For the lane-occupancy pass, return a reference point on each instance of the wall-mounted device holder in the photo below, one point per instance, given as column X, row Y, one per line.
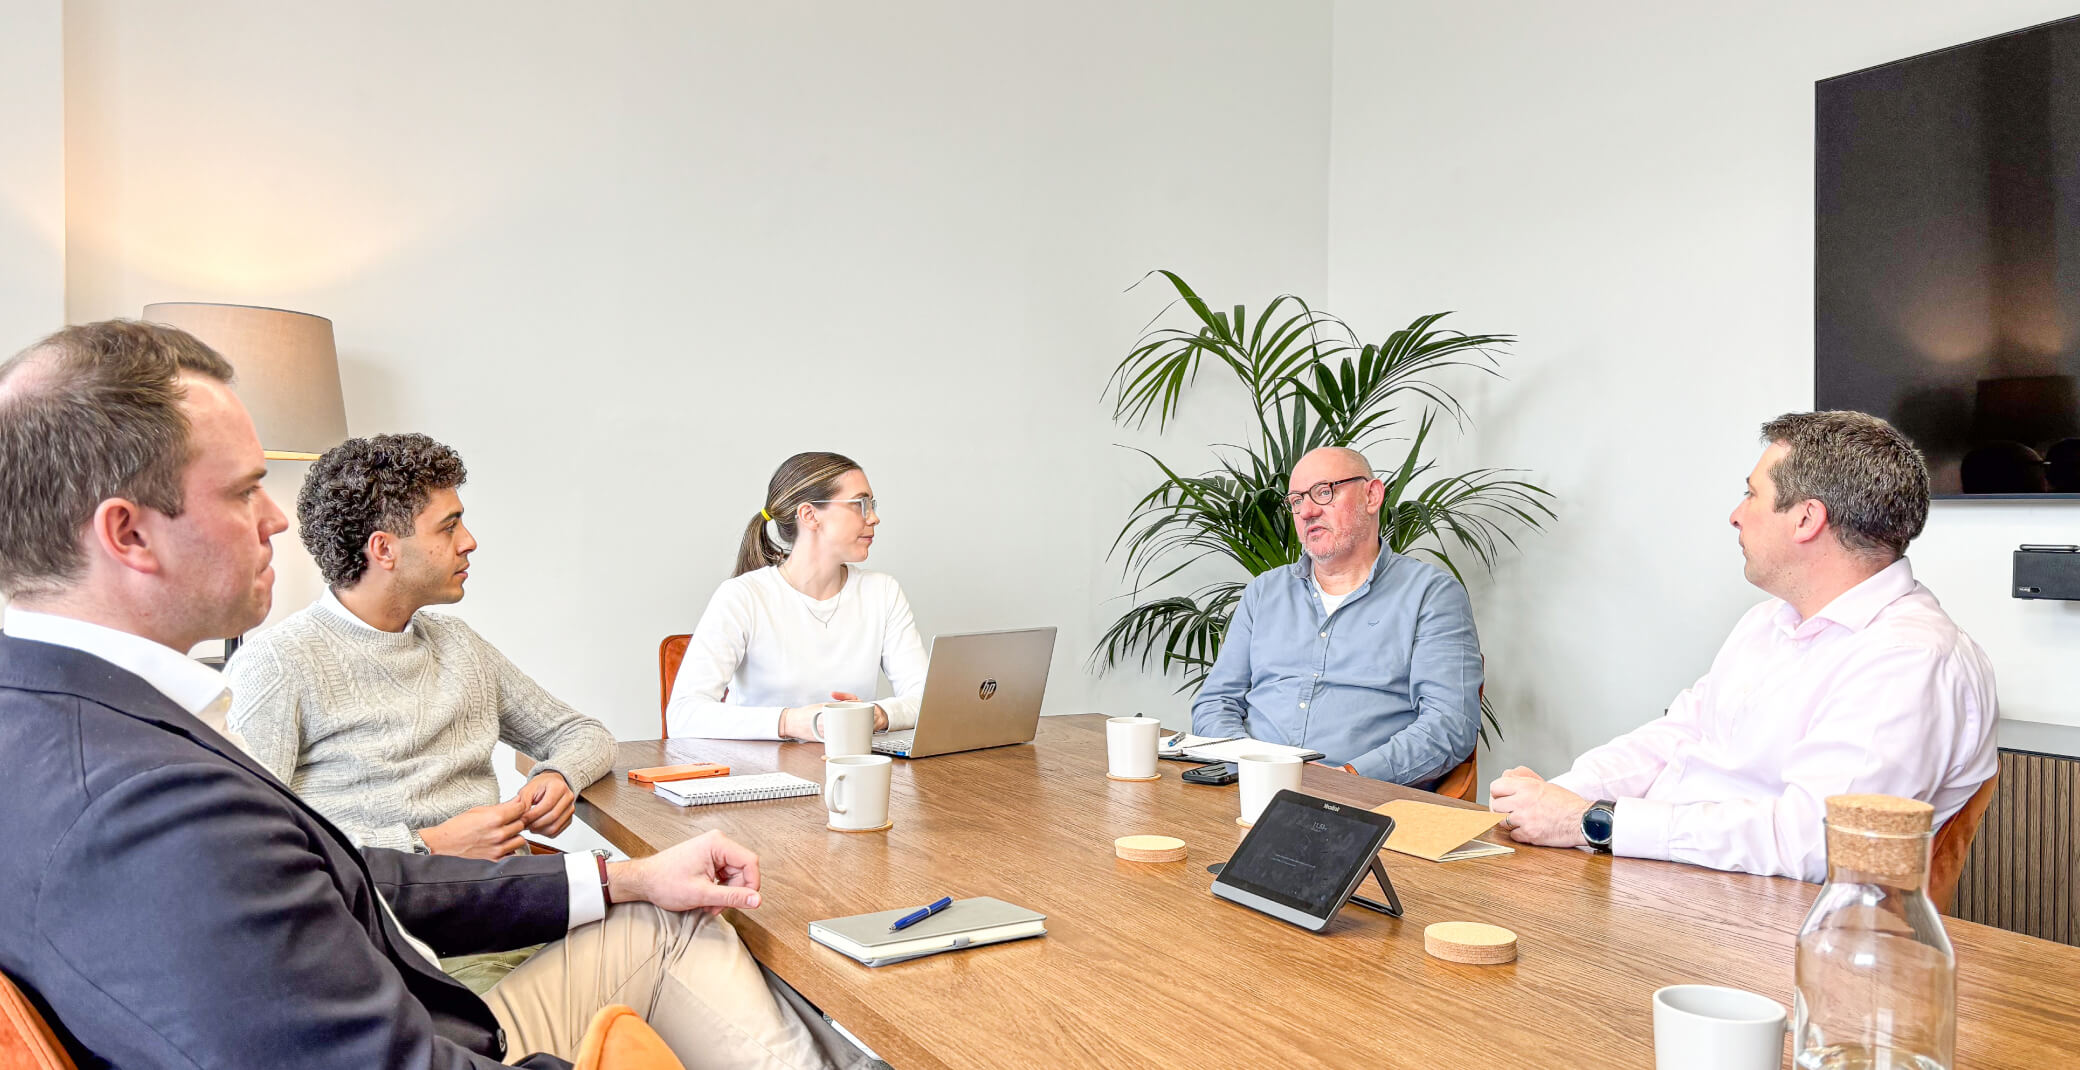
column 2047, row 572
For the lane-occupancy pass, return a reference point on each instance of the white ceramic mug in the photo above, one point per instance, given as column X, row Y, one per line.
column 1265, row 775
column 855, row 790
column 1706, row 1027
column 846, row 728
column 1130, row 746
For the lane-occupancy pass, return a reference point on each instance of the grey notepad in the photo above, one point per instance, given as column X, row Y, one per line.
column 967, row 923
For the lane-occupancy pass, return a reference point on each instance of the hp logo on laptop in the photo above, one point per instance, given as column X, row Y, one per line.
column 988, row 688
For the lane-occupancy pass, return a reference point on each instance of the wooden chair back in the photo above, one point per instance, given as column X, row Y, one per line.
column 669, row 654
column 26, row 1040
column 1953, row 843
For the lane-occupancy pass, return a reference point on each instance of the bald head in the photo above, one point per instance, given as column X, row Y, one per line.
column 1330, row 463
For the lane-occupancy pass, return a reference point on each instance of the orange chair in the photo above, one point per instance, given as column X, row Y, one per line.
column 669, row 654
column 26, row 1040
column 619, row 1039
column 1953, row 845
column 1463, row 781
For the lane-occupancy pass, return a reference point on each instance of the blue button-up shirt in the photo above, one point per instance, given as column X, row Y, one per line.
column 1389, row 684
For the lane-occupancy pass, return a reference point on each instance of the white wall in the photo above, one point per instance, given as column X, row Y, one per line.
column 32, row 173
column 626, row 257
column 1628, row 186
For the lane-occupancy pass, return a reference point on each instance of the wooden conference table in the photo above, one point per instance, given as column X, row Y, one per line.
column 1141, row 966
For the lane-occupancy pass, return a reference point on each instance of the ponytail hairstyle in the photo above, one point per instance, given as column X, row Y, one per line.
column 802, row 478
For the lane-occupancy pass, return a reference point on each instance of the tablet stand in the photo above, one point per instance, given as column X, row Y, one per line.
column 1392, row 907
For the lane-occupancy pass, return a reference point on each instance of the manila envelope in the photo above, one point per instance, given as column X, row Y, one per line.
column 1440, row 833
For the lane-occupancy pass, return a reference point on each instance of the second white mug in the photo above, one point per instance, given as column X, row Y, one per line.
column 847, row 728
column 855, row 791
column 1130, row 746
column 1265, row 775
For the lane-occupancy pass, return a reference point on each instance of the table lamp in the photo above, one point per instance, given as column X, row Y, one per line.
column 288, row 374
column 288, row 371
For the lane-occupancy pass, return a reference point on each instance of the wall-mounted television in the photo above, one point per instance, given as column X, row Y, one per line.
column 1946, row 257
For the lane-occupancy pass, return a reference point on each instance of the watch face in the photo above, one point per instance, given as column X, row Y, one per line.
column 1596, row 826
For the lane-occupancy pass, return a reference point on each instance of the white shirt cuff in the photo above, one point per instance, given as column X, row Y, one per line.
column 1641, row 828
column 588, row 900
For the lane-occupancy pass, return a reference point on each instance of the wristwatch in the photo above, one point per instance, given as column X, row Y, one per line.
column 1598, row 822
column 599, row 854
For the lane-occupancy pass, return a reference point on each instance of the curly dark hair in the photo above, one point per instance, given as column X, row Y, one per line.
column 366, row 485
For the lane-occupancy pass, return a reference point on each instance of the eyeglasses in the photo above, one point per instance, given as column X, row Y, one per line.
column 1323, row 493
column 864, row 504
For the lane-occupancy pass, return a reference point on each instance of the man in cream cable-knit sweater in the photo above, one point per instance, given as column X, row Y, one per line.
column 381, row 716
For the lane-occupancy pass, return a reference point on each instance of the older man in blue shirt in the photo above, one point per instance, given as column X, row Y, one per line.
column 1354, row 651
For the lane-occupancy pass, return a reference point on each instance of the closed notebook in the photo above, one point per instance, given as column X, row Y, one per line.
column 1440, row 833
column 967, row 923
column 728, row 789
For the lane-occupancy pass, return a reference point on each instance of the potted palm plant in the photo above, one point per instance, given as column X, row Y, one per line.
column 1311, row 383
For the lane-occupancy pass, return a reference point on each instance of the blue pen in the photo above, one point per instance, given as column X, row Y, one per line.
column 914, row 917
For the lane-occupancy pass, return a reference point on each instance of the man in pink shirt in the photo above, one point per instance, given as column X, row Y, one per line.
column 1851, row 678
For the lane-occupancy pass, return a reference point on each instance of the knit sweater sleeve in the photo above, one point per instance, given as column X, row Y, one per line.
column 542, row 726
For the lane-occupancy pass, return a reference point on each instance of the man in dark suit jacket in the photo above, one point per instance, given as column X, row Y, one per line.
column 168, row 902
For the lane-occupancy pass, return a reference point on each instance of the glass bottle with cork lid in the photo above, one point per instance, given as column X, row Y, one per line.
column 1877, row 980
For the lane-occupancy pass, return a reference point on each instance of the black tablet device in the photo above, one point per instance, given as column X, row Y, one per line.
column 1303, row 859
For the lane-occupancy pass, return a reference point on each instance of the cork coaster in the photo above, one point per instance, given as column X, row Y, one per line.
column 1134, row 779
column 1245, row 823
column 1470, row 942
column 1887, row 815
column 1149, row 848
column 884, row 828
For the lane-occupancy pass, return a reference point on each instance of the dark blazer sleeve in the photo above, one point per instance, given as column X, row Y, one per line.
column 237, row 946
column 466, row 906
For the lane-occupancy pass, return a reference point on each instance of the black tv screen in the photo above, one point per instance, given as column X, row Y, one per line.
column 1946, row 257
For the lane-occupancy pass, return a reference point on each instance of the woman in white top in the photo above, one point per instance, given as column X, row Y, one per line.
column 801, row 625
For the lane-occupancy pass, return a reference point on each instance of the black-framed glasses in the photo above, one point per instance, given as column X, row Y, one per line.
column 864, row 503
column 1323, row 493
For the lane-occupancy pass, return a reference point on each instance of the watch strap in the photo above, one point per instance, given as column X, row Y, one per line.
column 606, row 893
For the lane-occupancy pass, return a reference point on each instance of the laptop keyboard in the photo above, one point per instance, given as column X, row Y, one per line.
column 897, row 743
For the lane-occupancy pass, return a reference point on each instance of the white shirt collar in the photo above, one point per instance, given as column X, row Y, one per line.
column 339, row 609
column 193, row 686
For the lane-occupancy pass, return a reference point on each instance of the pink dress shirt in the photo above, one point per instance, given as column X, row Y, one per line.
column 1879, row 692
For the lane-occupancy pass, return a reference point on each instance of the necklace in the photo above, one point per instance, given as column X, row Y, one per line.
column 809, row 604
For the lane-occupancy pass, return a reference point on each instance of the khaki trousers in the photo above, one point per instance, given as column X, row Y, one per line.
column 687, row 974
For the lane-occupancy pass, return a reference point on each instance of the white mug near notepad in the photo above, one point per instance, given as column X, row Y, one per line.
column 846, row 728
column 855, row 791
column 1130, row 746
column 1265, row 775
column 1706, row 1027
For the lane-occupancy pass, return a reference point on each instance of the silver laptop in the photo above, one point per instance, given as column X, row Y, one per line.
column 983, row 690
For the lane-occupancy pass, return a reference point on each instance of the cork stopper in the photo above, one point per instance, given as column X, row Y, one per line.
column 1883, row 835
column 1887, row 815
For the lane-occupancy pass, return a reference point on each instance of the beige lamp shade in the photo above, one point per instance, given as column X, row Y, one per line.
column 288, row 371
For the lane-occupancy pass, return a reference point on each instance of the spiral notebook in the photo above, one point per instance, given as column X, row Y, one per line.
column 751, row 787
